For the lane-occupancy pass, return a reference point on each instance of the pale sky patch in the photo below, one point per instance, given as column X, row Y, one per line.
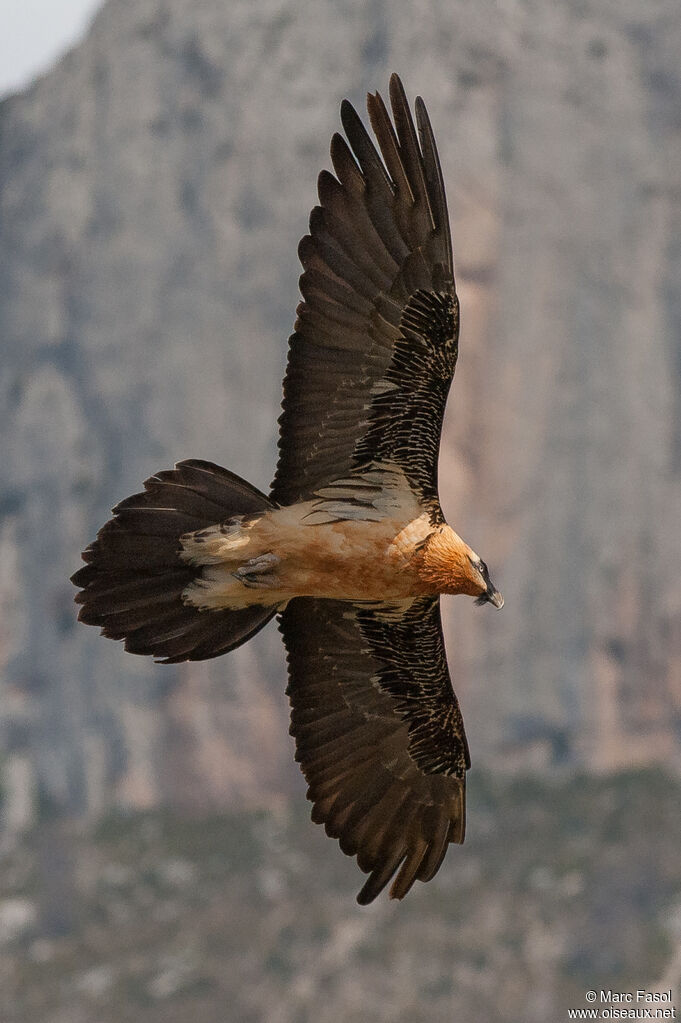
column 35, row 34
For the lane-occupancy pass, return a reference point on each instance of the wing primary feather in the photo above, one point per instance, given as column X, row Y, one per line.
column 374, row 194
column 354, row 218
column 338, row 261
column 403, row 201
column 409, row 149
column 364, row 149
column 436, row 824
column 442, row 240
column 380, row 876
column 409, row 870
column 329, row 225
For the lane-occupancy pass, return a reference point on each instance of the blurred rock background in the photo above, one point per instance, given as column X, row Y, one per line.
column 153, row 188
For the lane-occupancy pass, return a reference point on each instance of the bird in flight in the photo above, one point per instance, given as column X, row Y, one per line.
column 350, row 549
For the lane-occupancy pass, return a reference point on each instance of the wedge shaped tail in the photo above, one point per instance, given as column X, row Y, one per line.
column 133, row 580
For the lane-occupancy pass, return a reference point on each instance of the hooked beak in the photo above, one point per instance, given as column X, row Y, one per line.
column 491, row 596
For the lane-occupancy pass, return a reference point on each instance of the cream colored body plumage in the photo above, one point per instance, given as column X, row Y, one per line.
column 350, row 548
column 289, row 553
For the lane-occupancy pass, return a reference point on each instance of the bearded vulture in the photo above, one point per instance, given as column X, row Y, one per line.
column 350, row 549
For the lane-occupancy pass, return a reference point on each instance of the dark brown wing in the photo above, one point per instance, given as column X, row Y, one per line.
column 375, row 344
column 379, row 734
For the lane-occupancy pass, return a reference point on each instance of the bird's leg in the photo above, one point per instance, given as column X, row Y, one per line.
column 258, row 573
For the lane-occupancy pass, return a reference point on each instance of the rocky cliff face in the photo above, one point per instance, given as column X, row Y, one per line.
column 153, row 189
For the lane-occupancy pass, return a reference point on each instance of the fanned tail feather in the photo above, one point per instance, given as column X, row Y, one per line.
column 133, row 580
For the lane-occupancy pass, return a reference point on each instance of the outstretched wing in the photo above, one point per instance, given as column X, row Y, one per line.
column 379, row 734
column 375, row 344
